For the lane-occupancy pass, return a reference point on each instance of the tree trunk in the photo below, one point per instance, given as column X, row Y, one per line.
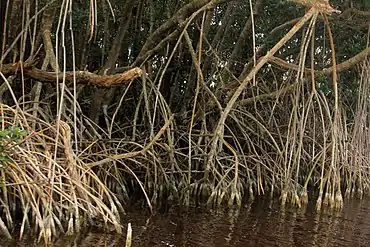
column 101, row 96
column 245, row 35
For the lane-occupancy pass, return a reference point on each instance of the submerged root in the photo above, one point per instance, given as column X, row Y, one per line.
column 360, row 193
column 338, row 200
column 235, row 197
column 251, row 193
column 216, row 198
column 332, row 201
column 70, row 230
column 347, row 193
column 4, row 229
column 326, row 199
column 284, row 196
column 318, row 204
column 220, row 198
column 173, row 193
column 205, row 190
column 304, row 198
column 295, row 200
column 212, row 200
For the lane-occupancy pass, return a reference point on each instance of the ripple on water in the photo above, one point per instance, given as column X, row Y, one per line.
column 262, row 224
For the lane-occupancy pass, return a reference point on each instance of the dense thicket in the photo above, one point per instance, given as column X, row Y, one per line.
column 186, row 101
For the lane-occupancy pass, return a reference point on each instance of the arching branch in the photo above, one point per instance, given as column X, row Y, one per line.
column 82, row 77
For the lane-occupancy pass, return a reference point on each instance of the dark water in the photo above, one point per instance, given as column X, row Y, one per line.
column 261, row 224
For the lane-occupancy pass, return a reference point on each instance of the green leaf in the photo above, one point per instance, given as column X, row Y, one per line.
column 4, row 133
column 3, row 158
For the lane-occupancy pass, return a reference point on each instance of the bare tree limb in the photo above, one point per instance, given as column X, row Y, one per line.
column 82, row 77
column 340, row 67
column 177, row 22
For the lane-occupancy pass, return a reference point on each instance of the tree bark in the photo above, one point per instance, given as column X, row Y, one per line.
column 82, row 77
column 14, row 24
column 245, row 35
column 173, row 25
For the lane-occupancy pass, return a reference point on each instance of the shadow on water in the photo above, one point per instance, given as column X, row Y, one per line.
column 261, row 224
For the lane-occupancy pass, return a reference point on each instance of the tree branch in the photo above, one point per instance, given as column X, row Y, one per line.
column 177, row 22
column 340, row 67
column 82, row 77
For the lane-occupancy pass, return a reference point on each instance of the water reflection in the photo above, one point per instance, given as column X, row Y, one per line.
column 260, row 224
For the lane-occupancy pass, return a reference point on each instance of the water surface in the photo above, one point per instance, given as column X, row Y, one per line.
column 261, row 224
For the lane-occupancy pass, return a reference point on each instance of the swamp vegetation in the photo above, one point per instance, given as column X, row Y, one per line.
column 187, row 102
